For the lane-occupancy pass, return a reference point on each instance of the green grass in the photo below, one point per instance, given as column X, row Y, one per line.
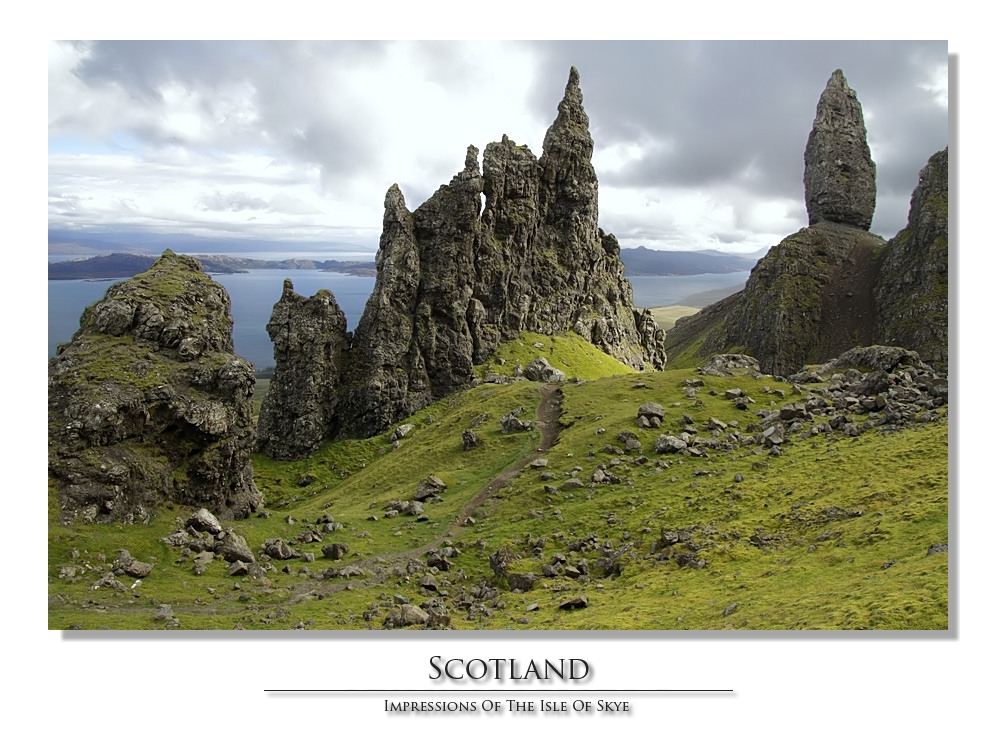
column 666, row 316
column 569, row 352
column 833, row 534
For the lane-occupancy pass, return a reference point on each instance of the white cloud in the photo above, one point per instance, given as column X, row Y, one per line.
column 197, row 136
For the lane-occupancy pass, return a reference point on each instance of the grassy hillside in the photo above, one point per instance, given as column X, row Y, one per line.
column 833, row 533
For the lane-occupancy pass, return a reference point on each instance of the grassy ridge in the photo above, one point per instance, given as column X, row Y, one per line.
column 832, row 534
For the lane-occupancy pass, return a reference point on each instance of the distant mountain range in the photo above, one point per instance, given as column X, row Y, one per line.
column 642, row 261
column 126, row 265
column 126, row 261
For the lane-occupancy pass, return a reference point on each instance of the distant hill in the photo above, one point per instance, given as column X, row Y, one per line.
column 640, row 261
column 70, row 242
column 118, row 265
column 126, row 265
column 643, row 261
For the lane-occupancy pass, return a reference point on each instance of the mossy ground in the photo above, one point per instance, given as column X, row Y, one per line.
column 569, row 352
column 833, row 534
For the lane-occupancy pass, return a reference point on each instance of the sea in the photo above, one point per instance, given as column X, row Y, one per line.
column 254, row 293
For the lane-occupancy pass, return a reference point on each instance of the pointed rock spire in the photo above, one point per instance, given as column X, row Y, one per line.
column 571, row 129
column 839, row 171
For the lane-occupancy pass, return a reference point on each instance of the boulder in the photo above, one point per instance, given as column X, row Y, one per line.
column 539, row 370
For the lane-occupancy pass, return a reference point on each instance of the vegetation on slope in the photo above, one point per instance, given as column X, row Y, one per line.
column 833, row 533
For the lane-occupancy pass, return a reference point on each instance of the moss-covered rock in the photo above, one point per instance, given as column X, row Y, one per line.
column 912, row 290
column 148, row 402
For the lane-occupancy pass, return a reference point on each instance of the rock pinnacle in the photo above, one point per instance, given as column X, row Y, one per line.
column 839, row 171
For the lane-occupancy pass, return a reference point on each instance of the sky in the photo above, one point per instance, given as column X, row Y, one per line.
column 697, row 144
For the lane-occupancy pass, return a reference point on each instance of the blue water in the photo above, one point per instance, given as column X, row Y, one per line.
column 648, row 291
column 253, row 295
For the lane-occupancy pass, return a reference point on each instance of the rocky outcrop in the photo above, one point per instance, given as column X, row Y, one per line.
column 310, row 344
column 840, row 173
column 457, row 277
column 808, row 300
column 911, row 295
column 833, row 286
column 148, row 402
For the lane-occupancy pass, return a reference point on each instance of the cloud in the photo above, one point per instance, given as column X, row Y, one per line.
column 692, row 138
column 236, row 201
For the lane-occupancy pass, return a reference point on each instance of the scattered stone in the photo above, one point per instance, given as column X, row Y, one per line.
column 470, row 440
column 234, row 547
column 277, row 548
column 521, row 582
column 669, row 444
column 511, row 423
column 539, row 370
column 405, row 616
column 125, row 564
column 430, row 488
column 575, row 603
column 336, row 552
column 501, row 559
column 401, row 431
column 204, row 520
column 726, row 365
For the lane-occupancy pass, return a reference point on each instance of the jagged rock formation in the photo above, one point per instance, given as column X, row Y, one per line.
column 840, row 173
column 453, row 282
column 911, row 295
column 310, row 336
column 149, row 403
column 833, row 286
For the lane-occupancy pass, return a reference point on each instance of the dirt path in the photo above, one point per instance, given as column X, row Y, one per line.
column 549, row 411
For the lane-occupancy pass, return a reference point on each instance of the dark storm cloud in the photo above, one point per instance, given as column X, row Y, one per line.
column 722, row 106
column 282, row 81
column 692, row 138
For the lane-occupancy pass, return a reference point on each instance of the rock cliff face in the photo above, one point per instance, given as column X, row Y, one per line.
column 148, row 402
column 833, row 286
column 840, row 173
column 911, row 295
column 808, row 300
column 456, row 278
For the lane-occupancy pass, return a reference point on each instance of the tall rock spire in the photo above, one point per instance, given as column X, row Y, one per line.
column 569, row 182
column 453, row 282
column 840, row 173
column 301, row 406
